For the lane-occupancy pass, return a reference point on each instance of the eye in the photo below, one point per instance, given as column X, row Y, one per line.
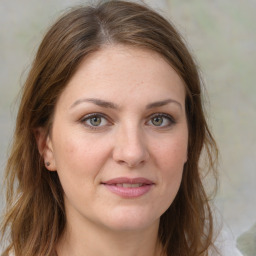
column 95, row 120
column 157, row 121
column 161, row 120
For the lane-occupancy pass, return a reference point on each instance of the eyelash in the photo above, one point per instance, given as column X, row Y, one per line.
column 93, row 115
column 171, row 121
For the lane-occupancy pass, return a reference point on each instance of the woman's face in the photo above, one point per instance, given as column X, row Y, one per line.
column 119, row 139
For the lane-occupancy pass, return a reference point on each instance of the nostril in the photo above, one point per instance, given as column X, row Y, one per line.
column 131, row 163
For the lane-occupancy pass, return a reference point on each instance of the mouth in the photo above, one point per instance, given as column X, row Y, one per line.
column 129, row 187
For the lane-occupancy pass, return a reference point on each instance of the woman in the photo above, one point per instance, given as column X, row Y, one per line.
column 108, row 139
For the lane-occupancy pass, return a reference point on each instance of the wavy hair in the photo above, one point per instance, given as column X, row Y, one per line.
column 35, row 217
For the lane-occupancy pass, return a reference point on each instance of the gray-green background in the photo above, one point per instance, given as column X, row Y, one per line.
column 222, row 36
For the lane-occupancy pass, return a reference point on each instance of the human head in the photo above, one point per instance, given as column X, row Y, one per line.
column 77, row 34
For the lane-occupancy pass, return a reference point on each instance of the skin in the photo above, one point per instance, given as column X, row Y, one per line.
column 131, row 140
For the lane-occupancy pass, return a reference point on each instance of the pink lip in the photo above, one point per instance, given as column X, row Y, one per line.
column 129, row 192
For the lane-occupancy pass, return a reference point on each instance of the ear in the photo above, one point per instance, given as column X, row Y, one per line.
column 45, row 148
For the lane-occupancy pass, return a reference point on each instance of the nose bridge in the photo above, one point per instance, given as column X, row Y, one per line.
column 130, row 145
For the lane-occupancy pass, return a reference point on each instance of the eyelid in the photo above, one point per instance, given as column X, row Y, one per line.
column 168, row 116
column 95, row 114
column 161, row 114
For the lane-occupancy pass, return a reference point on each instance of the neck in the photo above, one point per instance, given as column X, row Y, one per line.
column 92, row 240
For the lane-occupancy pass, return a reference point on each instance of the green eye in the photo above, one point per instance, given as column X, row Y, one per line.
column 95, row 121
column 161, row 120
column 157, row 121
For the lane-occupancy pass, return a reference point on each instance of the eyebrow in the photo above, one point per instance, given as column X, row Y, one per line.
column 108, row 104
column 98, row 102
column 162, row 103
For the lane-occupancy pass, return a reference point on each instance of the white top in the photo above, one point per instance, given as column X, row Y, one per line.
column 226, row 244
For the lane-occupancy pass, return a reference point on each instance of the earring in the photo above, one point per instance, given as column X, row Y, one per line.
column 47, row 163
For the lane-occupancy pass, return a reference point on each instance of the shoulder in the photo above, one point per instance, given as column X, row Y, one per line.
column 226, row 244
column 247, row 241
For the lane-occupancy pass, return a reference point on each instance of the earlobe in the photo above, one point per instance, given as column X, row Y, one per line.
column 45, row 148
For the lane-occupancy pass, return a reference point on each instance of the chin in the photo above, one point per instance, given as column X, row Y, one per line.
column 131, row 221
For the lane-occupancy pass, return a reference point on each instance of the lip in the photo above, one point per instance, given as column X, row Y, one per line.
column 144, row 187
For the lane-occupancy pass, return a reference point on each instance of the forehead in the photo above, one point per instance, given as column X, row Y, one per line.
column 119, row 72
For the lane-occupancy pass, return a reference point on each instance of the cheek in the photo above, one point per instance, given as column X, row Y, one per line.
column 172, row 154
column 171, row 158
column 78, row 155
column 79, row 161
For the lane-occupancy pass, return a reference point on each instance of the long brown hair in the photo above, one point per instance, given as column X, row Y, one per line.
column 35, row 215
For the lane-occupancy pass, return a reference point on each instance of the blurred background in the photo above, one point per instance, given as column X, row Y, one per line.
column 221, row 34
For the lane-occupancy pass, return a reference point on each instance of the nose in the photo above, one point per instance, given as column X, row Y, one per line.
column 130, row 147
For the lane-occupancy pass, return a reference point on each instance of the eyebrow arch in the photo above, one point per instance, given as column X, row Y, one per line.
column 108, row 104
column 162, row 103
column 99, row 102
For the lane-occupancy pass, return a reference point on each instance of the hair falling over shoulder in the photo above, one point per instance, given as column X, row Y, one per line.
column 34, row 217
